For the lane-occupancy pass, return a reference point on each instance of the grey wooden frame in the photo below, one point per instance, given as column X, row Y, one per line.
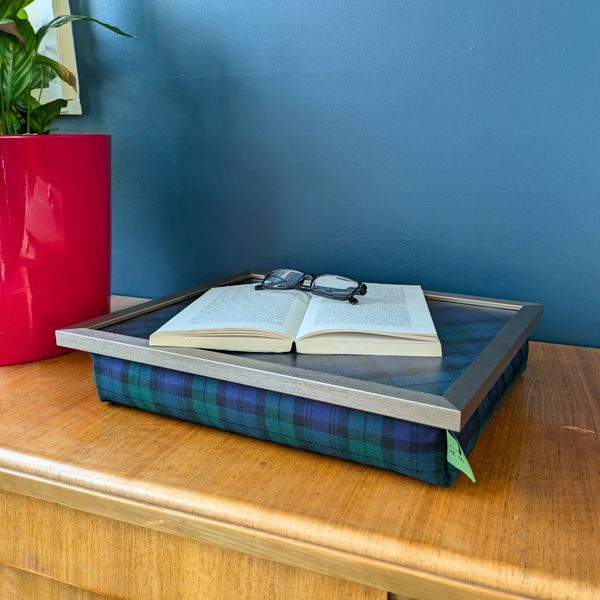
column 450, row 411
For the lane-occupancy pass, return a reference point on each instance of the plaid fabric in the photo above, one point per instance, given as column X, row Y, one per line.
column 464, row 332
column 393, row 444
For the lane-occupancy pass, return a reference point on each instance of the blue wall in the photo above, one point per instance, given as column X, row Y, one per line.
column 451, row 144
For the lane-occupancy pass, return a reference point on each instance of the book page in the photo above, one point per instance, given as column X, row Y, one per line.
column 242, row 307
column 392, row 309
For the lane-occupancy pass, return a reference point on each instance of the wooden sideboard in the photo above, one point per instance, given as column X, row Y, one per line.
column 100, row 501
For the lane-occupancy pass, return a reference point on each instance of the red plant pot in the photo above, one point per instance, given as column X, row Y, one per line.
column 54, row 239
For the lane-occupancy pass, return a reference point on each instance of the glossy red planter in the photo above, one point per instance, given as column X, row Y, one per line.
column 54, row 239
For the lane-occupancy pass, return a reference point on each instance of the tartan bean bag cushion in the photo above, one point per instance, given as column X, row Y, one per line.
column 404, row 447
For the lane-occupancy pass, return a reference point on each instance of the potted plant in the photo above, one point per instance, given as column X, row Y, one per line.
column 54, row 200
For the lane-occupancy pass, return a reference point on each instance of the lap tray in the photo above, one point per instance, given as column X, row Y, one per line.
column 387, row 412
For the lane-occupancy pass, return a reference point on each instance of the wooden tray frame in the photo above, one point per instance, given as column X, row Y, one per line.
column 450, row 411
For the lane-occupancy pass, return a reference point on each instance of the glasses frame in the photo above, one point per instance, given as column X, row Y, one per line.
column 360, row 290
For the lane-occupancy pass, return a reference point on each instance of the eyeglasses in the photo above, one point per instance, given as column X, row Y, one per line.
column 335, row 287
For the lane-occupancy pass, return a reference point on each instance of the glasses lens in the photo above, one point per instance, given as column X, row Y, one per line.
column 334, row 286
column 282, row 279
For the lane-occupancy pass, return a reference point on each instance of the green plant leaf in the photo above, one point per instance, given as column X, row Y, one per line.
column 42, row 76
column 24, row 107
column 14, row 122
column 27, row 102
column 17, row 68
column 14, row 8
column 43, row 115
column 10, row 27
column 19, row 5
column 4, row 7
column 58, row 69
column 64, row 19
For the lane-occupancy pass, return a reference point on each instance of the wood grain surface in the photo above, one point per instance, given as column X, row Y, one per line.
column 16, row 584
column 128, row 562
column 527, row 527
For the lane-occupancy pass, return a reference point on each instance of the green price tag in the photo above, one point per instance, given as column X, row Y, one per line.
column 456, row 457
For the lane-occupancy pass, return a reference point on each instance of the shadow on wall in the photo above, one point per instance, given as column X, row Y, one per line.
column 217, row 171
column 246, row 181
column 198, row 190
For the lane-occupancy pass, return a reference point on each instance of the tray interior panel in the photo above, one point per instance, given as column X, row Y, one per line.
column 464, row 331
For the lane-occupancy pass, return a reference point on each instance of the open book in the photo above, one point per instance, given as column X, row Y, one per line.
column 390, row 320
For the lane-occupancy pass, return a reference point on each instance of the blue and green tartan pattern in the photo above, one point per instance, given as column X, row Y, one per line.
column 464, row 332
column 404, row 447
